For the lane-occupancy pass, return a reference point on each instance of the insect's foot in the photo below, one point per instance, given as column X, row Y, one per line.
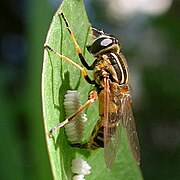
column 50, row 134
column 47, row 47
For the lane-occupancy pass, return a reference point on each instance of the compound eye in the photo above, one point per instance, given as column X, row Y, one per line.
column 100, row 44
column 106, row 42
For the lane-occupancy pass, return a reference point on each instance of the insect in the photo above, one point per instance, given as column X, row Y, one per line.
column 111, row 82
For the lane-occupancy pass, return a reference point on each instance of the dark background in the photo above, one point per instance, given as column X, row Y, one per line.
column 151, row 42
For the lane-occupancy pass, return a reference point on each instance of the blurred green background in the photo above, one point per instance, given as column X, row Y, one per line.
column 149, row 32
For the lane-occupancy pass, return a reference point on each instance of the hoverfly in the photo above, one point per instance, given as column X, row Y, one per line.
column 111, row 82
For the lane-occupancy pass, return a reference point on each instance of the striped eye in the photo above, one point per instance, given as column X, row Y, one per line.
column 106, row 42
column 101, row 43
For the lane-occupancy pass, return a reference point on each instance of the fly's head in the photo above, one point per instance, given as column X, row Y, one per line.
column 103, row 43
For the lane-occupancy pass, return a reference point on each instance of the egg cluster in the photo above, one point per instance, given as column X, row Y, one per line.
column 75, row 131
column 81, row 168
column 75, row 128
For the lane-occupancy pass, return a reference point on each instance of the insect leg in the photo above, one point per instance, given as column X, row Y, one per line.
column 78, row 49
column 91, row 99
column 83, row 71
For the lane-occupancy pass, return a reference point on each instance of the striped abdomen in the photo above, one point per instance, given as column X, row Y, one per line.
column 97, row 138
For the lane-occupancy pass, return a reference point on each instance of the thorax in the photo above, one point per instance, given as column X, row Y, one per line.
column 114, row 64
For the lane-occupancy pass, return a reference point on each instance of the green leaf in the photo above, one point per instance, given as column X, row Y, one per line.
column 59, row 76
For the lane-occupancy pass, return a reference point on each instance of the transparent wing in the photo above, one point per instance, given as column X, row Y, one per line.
column 130, row 126
column 112, row 125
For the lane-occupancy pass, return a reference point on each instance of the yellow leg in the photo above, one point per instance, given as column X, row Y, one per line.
column 83, row 71
column 78, row 49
